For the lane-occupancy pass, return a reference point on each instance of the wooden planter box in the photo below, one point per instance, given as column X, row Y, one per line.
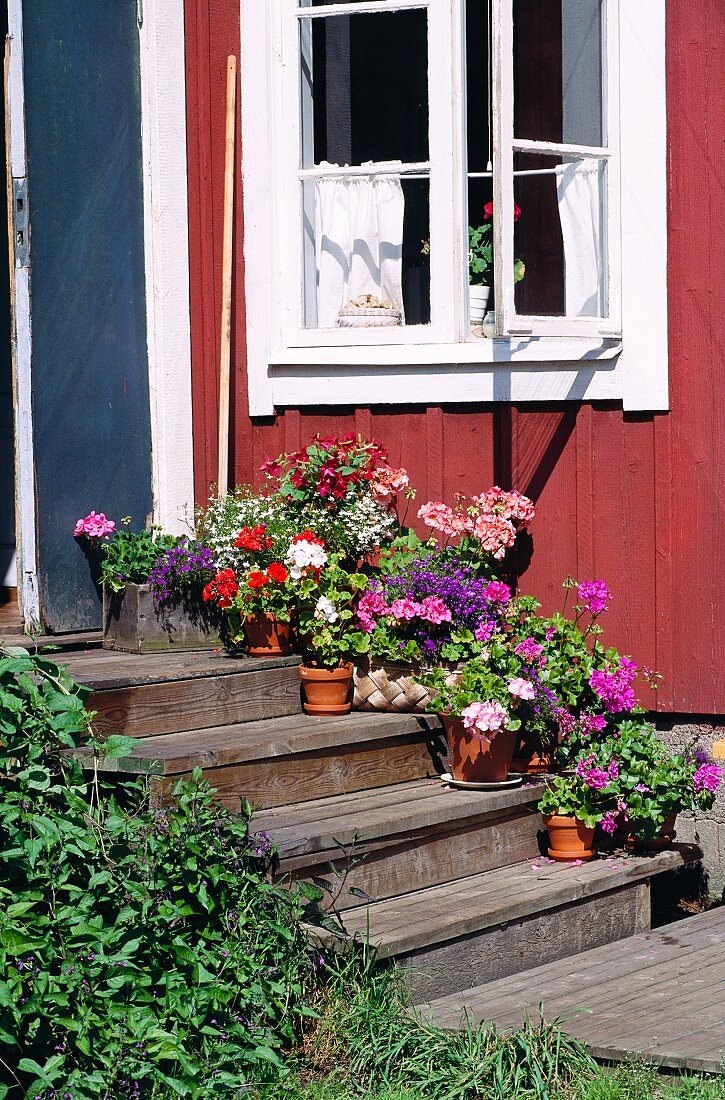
column 131, row 623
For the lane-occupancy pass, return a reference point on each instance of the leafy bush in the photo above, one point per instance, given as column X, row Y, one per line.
column 129, row 556
column 143, row 950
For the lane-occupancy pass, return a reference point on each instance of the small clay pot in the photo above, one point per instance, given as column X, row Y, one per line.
column 267, row 636
column 471, row 761
column 326, row 690
column 569, row 839
column 665, row 839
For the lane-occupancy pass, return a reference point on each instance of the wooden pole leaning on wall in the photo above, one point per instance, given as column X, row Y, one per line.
column 226, row 323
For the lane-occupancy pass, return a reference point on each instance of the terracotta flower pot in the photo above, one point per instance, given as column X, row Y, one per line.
column 659, row 843
column 267, row 636
column 569, row 839
column 471, row 761
column 533, row 765
column 327, row 690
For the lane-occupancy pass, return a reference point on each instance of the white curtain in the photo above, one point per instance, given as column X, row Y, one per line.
column 580, row 213
column 358, row 242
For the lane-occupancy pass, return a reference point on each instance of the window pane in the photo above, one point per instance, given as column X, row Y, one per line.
column 365, row 88
column 478, row 83
column 558, row 56
column 365, row 235
column 560, row 236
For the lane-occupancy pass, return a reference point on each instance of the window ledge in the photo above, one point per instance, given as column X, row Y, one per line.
column 543, row 350
column 517, row 369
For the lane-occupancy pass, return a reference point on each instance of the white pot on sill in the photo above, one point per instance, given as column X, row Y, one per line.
column 478, row 303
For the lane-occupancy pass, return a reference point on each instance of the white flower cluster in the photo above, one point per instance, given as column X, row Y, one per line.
column 303, row 556
column 221, row 521
column 325, row 609
column 355, row 527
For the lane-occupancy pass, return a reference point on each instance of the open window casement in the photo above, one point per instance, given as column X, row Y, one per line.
column 556, row 152
column 376, row 132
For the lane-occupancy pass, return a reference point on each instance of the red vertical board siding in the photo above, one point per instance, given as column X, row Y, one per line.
column 636, row 500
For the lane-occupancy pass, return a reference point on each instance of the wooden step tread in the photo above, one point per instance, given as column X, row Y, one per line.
column 659, row 995
column 60, row 643
column 469, row 904
column 106, row 669
column 217, row 746
column 406, row 808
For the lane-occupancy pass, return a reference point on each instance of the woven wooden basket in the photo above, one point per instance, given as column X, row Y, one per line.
column 388, row 687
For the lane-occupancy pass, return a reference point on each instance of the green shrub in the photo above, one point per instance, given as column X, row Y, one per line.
column 143, row 950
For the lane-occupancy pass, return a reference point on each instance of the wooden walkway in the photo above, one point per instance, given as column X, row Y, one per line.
column 659, row 996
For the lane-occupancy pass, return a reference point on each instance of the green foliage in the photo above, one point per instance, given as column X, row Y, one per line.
column 326, row 615
column 570, row 796
column 480, row 679
column 143, row 951
column 369, row 1038
column 129, row 556
column 480, row 256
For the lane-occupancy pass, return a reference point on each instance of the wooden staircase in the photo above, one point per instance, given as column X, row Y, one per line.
column 458, row 888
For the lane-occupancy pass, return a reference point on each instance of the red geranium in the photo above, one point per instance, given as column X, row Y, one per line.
column 222, row 589
column 253, row 538
column 277, row 572
column 257, row 579
column 308, row 536
column 488, row 212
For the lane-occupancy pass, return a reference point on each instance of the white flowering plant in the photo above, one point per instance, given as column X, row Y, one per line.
column 327, row 621
column 245, row 530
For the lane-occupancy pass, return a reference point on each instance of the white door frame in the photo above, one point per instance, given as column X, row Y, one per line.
column 21, row 332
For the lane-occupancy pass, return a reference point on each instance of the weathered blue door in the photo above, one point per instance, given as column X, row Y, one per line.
column 89, row 376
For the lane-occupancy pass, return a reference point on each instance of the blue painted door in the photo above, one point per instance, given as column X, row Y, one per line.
column 91, row 418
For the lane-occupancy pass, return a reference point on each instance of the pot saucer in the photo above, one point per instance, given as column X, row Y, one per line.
column 512, row 781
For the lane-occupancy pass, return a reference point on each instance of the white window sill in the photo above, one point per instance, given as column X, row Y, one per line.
column 520, row 369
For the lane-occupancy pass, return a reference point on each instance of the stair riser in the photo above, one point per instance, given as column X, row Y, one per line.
column 506, row 949
column 144, row 710
column 399, row 865
column 280, row 780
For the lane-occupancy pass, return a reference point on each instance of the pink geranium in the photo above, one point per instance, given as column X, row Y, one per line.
column 404, row 609
column 94, row 526
column 434, row 610
column 484, row 720
column 369, row 609
column 521, row 689
column 386, row 483
column 498, row 592
column 440, row 517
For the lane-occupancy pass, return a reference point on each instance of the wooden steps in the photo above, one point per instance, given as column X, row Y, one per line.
column 658, row 995
column 502, row 921
column 393, row 840
column 270, row 762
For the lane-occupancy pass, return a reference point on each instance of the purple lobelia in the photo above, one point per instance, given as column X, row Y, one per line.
column 181, row 569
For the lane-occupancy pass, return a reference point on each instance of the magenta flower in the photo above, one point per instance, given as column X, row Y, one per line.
column 484, row 631
column 594, row 596
column 405, row 608
column 609, row 823
column 433, row 610
column 94, row 526
column 614, row 685
column 707, row 778
column 529, row 650
column 498, row 592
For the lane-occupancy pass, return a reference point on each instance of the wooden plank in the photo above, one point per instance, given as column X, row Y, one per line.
column 394, row 866
column 104, row 669
column 260, row 740
column 272, row 782
column 419, row 807
column 516, row 945
column 155, row 708
column 479, row 901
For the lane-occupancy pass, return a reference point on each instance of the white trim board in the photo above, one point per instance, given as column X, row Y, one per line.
column 282, row 375
column 166, row 244
column 22, row 342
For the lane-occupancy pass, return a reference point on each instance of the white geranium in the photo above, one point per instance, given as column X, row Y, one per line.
column 303, row 556
column 325, row 609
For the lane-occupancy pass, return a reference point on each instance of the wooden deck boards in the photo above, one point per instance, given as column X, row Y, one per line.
column 658, row 995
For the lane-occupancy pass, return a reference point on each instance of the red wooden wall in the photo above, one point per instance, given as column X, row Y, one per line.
column 634, row 499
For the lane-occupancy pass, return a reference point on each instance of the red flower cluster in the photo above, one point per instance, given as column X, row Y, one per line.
column 253, row 538
column 274, row 572
column 488, row 212
column 327, row 467
column 222, row 589
column 308, row 536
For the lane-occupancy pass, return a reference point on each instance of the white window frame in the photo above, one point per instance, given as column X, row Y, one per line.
column 534, row 359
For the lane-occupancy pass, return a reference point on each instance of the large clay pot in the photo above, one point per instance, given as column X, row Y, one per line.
column 471, row 761
column 533, row 765
column 569, row 839
column 327, row 690
column 267, row 636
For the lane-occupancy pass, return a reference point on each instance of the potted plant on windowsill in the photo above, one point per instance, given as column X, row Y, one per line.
column 480, row 264
column 330, row 638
